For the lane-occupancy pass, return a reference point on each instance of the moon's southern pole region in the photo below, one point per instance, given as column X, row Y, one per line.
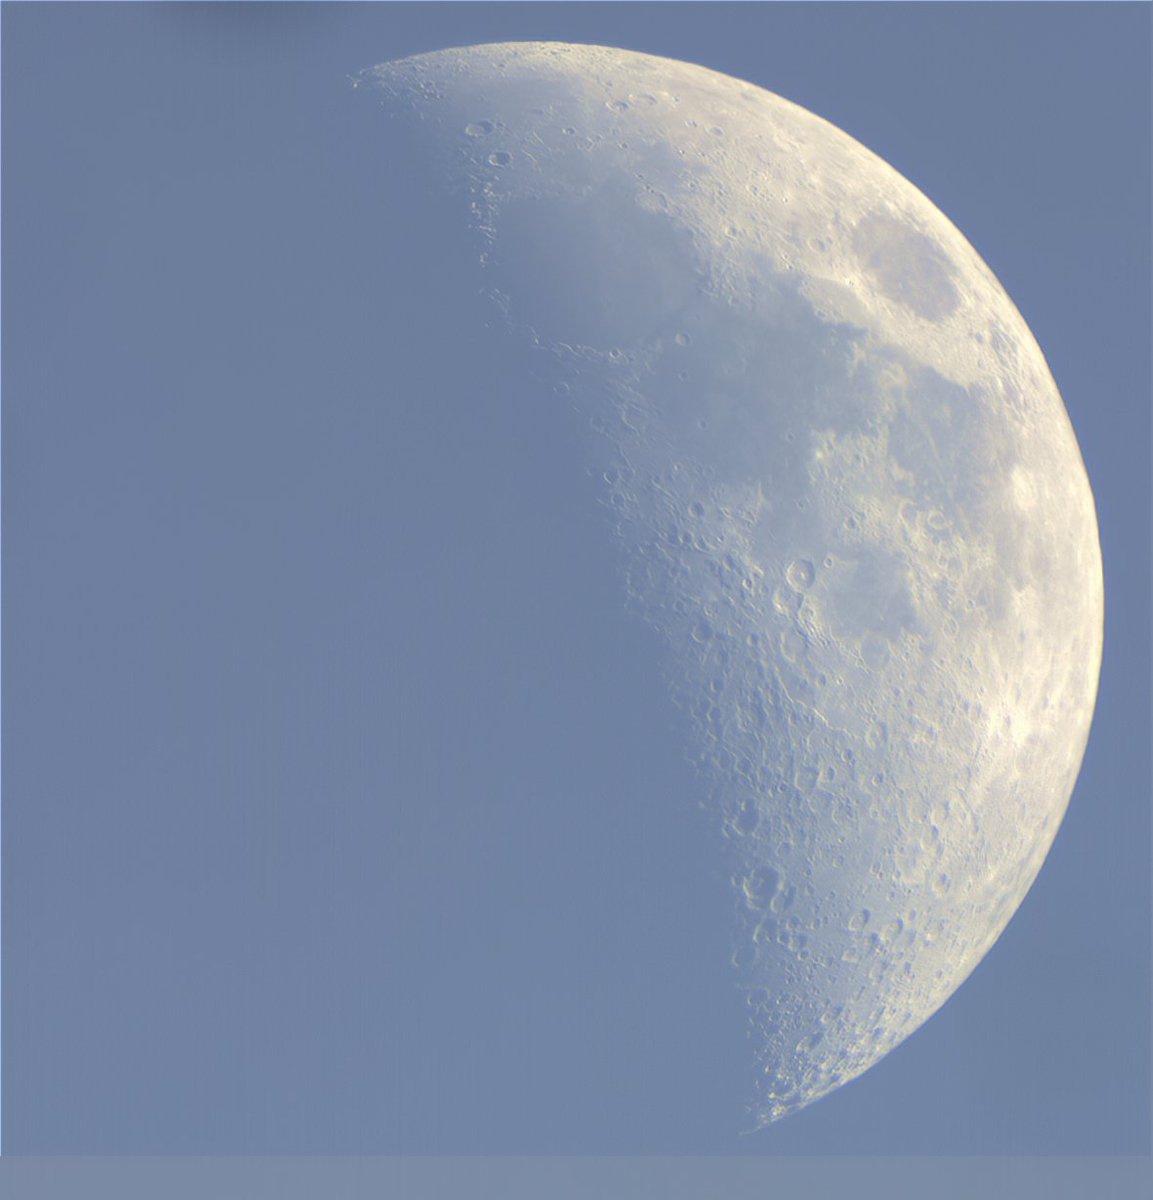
column 846, row 495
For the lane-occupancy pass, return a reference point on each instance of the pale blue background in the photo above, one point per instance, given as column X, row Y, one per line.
column 325, row 835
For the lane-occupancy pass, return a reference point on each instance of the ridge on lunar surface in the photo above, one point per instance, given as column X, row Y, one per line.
column 846, row 495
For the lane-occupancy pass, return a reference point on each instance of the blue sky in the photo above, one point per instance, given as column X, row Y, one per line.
column 278, row 872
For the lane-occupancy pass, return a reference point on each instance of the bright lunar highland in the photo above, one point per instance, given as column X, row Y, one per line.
column 845, row 494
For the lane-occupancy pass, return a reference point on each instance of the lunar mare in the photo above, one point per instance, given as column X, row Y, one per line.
column 846, row 495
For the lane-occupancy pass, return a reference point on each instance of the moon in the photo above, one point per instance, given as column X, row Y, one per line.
column 845, row 495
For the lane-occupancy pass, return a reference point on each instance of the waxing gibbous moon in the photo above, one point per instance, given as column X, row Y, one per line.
column 845, row 494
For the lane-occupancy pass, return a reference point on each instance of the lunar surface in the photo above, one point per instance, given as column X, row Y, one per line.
column 845, row 495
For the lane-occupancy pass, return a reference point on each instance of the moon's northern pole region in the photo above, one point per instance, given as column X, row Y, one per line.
column 846, row 495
